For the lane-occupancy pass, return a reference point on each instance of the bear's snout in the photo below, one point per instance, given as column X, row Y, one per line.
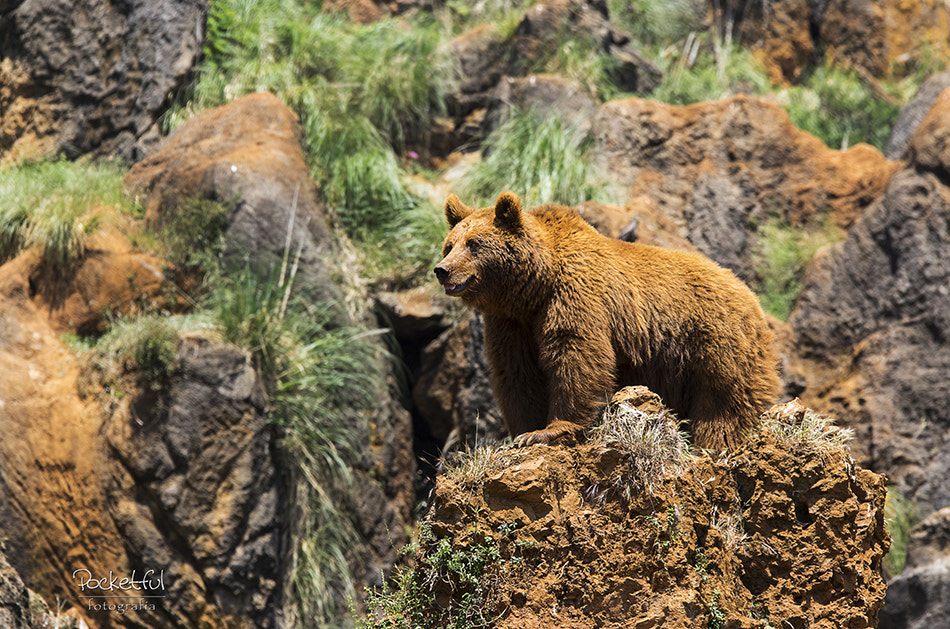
column 442, row 273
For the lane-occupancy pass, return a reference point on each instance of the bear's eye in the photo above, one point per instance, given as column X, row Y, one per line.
column 446, row 249
column 474, row 246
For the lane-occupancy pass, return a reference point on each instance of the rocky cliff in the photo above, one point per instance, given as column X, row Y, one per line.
column 168, row 459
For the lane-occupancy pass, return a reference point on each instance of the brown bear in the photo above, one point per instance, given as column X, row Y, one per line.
column 571, row 316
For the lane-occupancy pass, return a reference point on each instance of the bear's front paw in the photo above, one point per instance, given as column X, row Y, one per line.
column 557, row 431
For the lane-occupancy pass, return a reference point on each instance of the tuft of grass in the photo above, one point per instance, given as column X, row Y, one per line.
column 658, row 23
column 134, row 352
column 840, row 108
column 780, row 258
column 51, row 206
column 697, row 70
column 652, row 444
column 805, row 431
column 320, row 377
column 900, row 515
column 192, row 235
column 543, row 159
column 471, row 466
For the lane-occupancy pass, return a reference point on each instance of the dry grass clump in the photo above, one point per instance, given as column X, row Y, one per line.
column 799, row 429
column 651, row 441
column 471, row 466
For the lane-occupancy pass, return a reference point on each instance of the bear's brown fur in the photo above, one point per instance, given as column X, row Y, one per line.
column 571, row 316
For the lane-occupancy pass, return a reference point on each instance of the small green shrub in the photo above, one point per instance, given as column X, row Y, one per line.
column 192, row 235
column 780, row 258
column 462, row 573
column 540, row 158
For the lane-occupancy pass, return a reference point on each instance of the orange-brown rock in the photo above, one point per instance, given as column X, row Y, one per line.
column 175, row 477
column 111, row 280
column 714, row 168
column 880, row 38
column 780, row 533
column 247, row 154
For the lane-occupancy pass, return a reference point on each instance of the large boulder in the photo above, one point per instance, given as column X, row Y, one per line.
column 247, row 154
column 194, row 487
column 716, row 168
column 92, row 76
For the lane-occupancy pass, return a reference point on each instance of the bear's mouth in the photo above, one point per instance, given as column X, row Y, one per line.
column 453, row 289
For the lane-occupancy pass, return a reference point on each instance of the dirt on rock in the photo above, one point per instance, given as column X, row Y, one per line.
column 786, row 532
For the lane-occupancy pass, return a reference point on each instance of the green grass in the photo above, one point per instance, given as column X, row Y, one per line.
column 840, row 108
column 542, row 159
column 780, row 258
column 51, row 206
column 321, row 379
column 653, row 23
column 701, row 68
column 900, row 515
column 363, row 93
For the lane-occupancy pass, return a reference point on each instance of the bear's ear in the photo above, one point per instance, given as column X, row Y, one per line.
column 508, row 210
column 455, row 210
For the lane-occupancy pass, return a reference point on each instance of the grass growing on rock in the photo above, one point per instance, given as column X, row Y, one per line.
column 320, row 377
column 780, row 258
column 652, row 445
column 543, row 159
column 51, row 206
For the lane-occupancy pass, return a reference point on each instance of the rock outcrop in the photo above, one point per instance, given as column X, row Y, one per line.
column 872, row 325
column 784, row 532
column 246, row 154
column 877, row 37
column 715, row 168
column 177, row 481
column 92, row 76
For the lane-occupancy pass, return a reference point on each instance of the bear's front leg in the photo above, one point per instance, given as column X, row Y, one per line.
column 581, row 372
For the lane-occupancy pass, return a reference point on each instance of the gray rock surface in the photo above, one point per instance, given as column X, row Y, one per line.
column 247, row 154
column 195, row 489
column 874, row 315
column 93, row 76
column 919, row 597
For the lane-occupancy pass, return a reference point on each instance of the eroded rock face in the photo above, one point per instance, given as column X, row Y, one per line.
column 776, row 534
column 194, row 488
column 878, row 37
column 179, row 479
column 92, row 76
column 715, row 168
column 247, row 154
column 872, row 326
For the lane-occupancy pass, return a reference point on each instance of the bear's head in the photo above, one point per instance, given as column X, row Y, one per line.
column 487, row 253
